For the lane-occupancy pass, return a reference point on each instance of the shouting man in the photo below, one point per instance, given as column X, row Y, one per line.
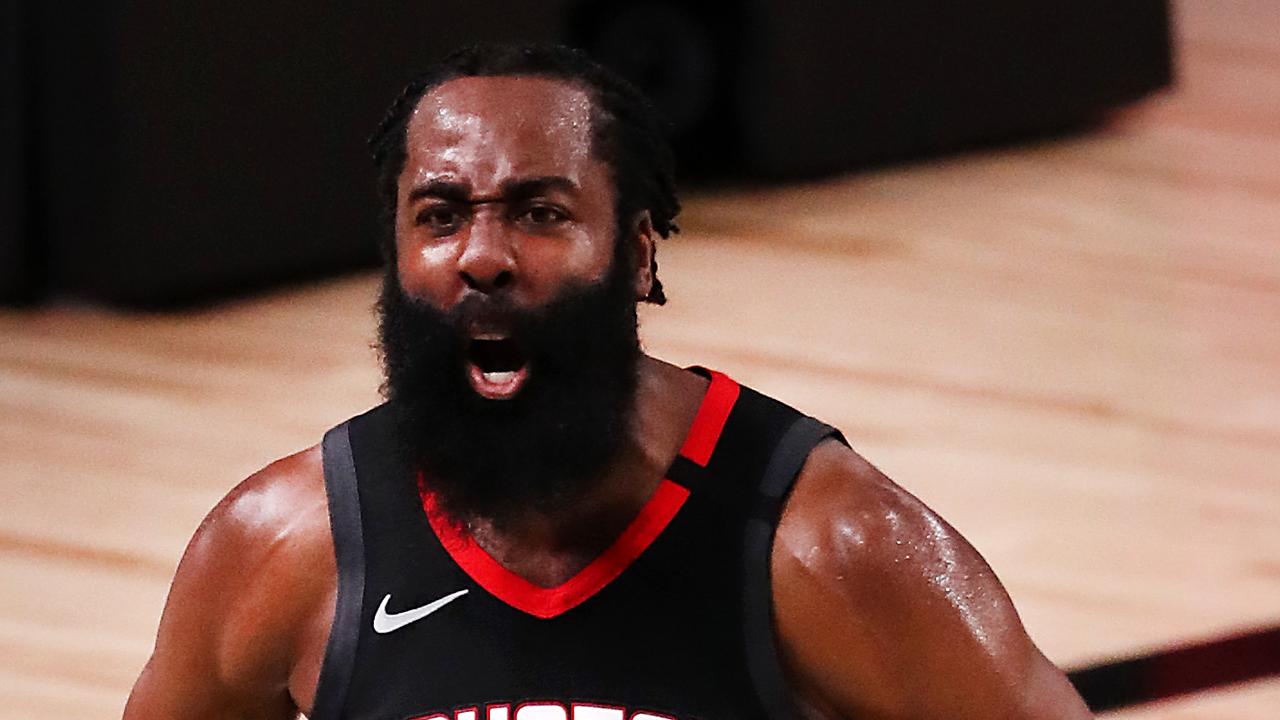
column 544, row 523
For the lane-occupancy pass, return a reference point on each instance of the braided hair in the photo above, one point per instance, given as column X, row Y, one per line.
column 626, row 132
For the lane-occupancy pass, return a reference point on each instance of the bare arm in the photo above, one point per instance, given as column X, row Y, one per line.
column 884, row 611
column 237, row 637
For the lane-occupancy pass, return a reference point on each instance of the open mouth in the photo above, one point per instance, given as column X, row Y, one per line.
column 496, row 366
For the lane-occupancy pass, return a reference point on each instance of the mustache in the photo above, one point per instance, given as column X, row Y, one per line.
column 479, row 311
column 487, row 310
column 481, row 314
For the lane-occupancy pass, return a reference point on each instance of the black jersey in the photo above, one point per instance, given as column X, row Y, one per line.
column 673, row 620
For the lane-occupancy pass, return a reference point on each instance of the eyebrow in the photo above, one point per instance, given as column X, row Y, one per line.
column 511, row 190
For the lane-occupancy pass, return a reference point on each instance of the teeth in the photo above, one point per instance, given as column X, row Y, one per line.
column 489, row 336
column 500, row 378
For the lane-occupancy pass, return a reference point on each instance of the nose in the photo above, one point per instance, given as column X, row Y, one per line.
column 487, row 262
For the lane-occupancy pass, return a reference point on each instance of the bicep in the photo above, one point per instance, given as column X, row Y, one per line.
column 884, row 610
column 167, row 689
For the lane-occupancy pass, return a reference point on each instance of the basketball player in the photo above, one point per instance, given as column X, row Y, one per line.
column 545, row 523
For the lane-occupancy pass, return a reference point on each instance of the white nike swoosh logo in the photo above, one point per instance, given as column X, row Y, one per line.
column 385, row 622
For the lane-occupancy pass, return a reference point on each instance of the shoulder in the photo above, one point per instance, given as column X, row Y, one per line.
column 268, row 521
column 852, row 542
column 883, row 608
column 873, row 547
column 269, row 545
column 844, row 514
column 276, row 504
column 257, row 572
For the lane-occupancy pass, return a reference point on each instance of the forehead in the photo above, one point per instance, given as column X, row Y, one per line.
column 481, row 129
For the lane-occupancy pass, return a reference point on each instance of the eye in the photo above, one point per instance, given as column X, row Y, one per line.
column 541, row 216
column 440, row 219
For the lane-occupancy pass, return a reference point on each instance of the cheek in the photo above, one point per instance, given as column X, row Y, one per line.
column 545, row 266
column 424, row 268
column 590, row 259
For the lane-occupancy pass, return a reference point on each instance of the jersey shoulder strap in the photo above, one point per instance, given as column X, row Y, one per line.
column 342, row 490
column 780, row 473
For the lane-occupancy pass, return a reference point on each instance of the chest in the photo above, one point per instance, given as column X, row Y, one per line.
column 652, row 627
column 430, row 626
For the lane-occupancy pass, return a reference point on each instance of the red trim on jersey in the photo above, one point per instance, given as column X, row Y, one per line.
column 648, row 524
column 549, row 602
column 721, row 395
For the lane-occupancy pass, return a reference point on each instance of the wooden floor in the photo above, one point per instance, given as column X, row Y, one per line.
column 1071, row 350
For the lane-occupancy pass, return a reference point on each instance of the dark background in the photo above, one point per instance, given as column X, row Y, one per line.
column 154, row 154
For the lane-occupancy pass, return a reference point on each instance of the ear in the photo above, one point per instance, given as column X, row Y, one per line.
column 640, row 240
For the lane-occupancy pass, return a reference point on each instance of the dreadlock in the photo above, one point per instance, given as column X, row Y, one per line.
column 626, row 132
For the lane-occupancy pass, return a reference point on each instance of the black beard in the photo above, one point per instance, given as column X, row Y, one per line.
column 502, row 459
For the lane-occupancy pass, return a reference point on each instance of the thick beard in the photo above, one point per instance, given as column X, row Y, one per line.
column 502, row 459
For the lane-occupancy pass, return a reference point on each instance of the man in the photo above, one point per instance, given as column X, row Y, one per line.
column 545, row 523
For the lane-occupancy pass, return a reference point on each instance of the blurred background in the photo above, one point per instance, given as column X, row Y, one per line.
column 1027, row 257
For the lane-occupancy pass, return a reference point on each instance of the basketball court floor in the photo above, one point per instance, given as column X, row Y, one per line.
column 1070, row 349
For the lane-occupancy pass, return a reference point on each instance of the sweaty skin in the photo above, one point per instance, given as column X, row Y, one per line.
column 885, row 611
column 882, row 609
